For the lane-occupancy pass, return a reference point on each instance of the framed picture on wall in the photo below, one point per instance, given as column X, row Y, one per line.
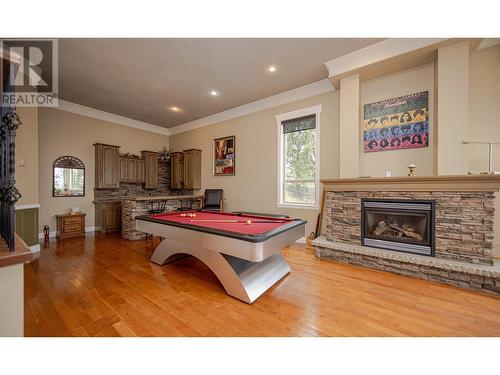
column 397, row 123
column 224, row 152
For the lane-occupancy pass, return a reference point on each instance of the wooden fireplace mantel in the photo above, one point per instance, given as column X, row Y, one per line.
column 486, row 183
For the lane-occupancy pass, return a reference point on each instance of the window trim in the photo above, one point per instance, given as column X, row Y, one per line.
column 314, row 110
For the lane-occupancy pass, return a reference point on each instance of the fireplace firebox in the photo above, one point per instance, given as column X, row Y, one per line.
column 401, row 225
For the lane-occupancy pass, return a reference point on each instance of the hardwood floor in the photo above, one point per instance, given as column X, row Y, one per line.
column 106, row 286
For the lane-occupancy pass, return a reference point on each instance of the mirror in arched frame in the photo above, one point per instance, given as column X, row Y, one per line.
column 68, row 177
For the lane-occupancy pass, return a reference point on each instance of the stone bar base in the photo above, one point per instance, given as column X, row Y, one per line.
column 464, row 275
column 131, row 208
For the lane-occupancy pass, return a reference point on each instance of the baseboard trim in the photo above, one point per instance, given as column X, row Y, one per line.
column 53, row 233
column 35, row 248
column 301, row 240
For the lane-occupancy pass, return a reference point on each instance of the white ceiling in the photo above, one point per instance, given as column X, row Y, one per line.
column 141, row 78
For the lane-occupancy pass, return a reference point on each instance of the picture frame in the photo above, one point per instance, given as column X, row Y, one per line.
column 397, row 123
column 224, row 151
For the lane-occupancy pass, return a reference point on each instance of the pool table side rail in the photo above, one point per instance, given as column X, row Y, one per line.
column 244, row 237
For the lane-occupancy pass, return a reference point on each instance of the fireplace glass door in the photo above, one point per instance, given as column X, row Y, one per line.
column 398, row 225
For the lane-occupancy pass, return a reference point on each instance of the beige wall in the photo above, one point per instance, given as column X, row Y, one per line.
column 349, row 127
column 453, row 117
column 254, row 187
column 27, row 151
column 408, row 82
column 63, row 133
column 484, row 107
column 485, row 117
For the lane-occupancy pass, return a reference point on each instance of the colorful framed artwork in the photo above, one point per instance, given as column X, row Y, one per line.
column 397, row 123
column 224, row 152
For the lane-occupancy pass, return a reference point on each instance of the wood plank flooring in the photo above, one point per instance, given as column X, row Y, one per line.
column 106, row 286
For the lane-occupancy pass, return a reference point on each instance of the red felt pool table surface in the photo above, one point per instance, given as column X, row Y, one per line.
column 255, row 228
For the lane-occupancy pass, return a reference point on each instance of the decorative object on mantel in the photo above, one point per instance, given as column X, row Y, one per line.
column 397, row 123
column 164, row 154
column 411, row 170
column 490, row 154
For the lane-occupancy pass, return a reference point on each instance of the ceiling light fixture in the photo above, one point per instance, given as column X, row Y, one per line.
column 271, row 69
column 214, row 93
column 175, row 109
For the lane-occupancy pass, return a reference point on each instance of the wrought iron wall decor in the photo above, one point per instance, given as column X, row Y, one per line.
column 9, row 195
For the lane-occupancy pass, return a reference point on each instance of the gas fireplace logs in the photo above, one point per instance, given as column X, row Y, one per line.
column 395, row 231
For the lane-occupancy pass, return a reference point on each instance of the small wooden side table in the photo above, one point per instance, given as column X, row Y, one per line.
column 70, row 225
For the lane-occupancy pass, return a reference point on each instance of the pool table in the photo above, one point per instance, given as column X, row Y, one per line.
column 243, row 250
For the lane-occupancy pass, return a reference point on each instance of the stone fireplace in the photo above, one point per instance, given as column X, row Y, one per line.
column 399, row 225
column 437, row 228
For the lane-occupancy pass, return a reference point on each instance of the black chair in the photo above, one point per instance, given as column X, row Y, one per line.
column 185, row 208
column 155, row 207
column 213, row 200
column 159, row 208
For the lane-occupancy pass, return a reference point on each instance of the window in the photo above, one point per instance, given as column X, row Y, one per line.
column 298, row 148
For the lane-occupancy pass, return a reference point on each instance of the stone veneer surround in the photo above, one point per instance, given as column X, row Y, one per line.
column 464, row 221
column 463, row 229
column 460, row 274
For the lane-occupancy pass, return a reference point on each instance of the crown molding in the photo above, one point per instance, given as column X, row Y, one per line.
column 377, row 52
column 488, row 42
column 312, row 89
column 110, row 117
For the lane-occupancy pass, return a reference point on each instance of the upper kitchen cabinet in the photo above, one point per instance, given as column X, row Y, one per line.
column 177, row 170
column 192, row 169
column 107, row 166
column 185, row 172
column 131, row 169
column 150, row 169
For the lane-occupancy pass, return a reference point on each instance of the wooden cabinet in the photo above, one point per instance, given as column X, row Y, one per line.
column 70, row 225
column 107, row 166
column 177, row 170
column 185, row 171
column 108, row 216
column 123, row 170
column 111, row 168
column 140, row 170
column 131, row 169
column 150, row 169
column 192, row 169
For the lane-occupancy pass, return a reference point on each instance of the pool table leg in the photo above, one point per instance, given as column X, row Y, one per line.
column 240, row 278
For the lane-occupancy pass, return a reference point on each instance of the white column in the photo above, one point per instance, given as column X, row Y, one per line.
column 349, row 127
column 453, row 111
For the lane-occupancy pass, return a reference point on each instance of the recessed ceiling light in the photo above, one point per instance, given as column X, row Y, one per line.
column 271, row 69
column 214, row 93
column 175, row 109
